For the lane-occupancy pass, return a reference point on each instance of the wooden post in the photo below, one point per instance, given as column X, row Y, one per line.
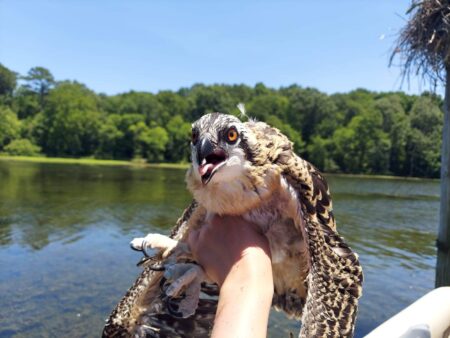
column 443, row 240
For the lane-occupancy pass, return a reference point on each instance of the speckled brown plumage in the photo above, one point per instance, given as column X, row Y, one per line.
column 317, row 277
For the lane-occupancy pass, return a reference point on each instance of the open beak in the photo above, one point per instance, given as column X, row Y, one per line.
column 210, row 159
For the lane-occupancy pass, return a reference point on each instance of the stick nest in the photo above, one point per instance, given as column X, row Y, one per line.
column 423, row 44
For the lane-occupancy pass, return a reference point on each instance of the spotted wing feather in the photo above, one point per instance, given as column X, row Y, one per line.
column 142, row 312
column 335, row 275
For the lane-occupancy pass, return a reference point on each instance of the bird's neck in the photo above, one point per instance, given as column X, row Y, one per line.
column 240, row 195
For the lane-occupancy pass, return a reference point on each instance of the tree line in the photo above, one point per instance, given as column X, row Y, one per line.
column 356, row 132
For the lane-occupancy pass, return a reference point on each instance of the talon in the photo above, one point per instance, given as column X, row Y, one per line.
column 143, row 260
column 154, row 267
column 172, row 308
column 163, row 285
column 180, row 287
column 157, row 267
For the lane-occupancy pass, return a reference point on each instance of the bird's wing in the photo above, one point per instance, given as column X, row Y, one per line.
column 142, row 312
column 335, row 275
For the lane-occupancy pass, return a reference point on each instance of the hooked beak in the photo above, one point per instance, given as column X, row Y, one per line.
column 210, row 159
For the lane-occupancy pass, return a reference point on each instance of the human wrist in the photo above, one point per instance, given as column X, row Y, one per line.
column 253, row 269
column 245, row 297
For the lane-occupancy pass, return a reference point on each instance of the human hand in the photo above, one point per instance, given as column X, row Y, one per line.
column 237, row 257
column 224, row 242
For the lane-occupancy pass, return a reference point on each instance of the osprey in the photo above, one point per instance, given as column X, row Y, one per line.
column 247, row 169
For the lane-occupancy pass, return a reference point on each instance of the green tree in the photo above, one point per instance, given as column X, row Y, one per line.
column 424, row 139
column 240, row 93
column 126, row 144
column 8, row 81
column 150, row 143
column 320, row 154
column 311, row 112
column 39, row 80
column 353, row 104
column 265, row 105
column 397, row 125
column 209, row 99
column 362, row 147
column 26, row 103
column 71, row 121
column 33, row 128
column 111, row 139
column 22, row 147
column 261, row 89
column 174, row 104
column 360, row 131
column 145, row 104
column 177, row 148
column 9, row 126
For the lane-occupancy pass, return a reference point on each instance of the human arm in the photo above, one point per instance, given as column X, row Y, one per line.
column 237, row 257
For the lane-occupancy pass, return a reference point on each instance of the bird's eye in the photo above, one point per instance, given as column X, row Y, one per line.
column 194, row 137
column 232, row 135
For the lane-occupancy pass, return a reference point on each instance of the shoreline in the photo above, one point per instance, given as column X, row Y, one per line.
column 92, row 161
column 165, row 165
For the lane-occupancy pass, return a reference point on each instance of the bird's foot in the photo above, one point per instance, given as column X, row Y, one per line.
column 152, row 244
column 182, row 283
column 183, row 286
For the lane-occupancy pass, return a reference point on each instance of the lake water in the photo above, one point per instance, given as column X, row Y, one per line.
column 64, row 233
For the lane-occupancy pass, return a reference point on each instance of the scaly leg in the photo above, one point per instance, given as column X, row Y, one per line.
column 182, row 278
column 158, row 242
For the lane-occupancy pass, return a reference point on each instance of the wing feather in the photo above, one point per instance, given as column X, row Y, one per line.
column 335, row 276
column 142, row 312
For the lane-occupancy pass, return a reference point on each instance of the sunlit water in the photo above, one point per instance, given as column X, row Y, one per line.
column 65, row 259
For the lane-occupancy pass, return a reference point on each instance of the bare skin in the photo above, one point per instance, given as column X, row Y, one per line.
column 237, row 257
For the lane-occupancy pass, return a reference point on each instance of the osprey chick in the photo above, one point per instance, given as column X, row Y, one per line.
column 247, row 169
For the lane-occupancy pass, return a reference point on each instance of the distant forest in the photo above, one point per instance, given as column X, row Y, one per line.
column 359, row 132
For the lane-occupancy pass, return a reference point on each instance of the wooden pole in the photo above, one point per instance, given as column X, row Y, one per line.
column 443, row 241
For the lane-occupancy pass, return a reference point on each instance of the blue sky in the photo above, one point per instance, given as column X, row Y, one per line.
column 116, row 46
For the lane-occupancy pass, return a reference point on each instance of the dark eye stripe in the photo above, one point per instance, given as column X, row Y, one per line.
column 194, row 136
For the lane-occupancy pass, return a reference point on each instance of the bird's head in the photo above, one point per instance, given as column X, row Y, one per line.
column 232, row 163
column 219, row 149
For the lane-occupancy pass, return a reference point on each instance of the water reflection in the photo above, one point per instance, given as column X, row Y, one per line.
column 42, row 203
column 64, row 232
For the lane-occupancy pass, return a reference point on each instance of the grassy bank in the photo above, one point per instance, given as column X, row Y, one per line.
column 382, row 177
column 92, row 161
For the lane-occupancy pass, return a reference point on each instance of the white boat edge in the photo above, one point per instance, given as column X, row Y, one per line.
column 427, row 317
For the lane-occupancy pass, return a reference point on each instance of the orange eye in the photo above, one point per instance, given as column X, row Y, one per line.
column 232, row 135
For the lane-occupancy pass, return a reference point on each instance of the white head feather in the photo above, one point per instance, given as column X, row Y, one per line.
column 241, row 107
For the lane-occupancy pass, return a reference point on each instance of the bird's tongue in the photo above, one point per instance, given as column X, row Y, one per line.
column 204, row 168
